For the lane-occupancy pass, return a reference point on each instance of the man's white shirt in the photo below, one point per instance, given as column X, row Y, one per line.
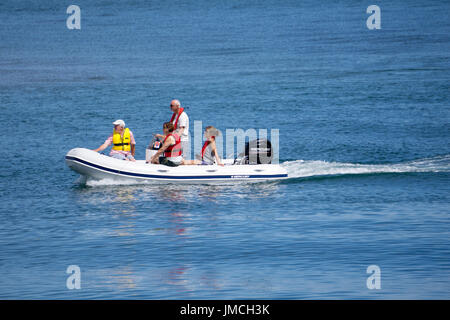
column 183, row 121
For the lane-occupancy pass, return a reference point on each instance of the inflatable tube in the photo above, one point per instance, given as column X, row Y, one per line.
column 93, row 165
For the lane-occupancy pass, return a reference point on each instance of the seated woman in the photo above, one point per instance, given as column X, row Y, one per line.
column 122, row 140
column 171, row 148
column 209, row 153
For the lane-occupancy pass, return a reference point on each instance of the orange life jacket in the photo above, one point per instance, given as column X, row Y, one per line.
column 178, row 117
column 175, row 149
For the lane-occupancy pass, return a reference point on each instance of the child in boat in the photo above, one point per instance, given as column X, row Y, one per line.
column 209, row 154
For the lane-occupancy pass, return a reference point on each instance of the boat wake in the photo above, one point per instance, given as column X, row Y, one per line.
column 308, row 169
column 313, row 168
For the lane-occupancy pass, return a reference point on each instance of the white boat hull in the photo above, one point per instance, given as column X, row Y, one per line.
column 95, row 166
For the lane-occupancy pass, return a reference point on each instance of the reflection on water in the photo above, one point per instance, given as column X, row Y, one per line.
column 122, row 278
column 178, row 220
column 161, row 226
column 181, row 193
column 152, row 210
column 177, row 276
column 124, row 195
column 189, row 280
column 169, row 282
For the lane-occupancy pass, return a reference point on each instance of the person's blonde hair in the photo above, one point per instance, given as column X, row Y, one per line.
column 211, row 131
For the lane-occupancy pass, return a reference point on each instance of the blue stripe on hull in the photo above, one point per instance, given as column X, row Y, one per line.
column 142, row 175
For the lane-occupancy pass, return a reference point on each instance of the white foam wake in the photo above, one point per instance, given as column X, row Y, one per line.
column 113, row 182
column 312, row 168
column 305, row 168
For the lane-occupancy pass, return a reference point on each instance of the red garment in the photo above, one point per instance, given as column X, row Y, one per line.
column 175, row 149
column 205, row 145
column 178, row 117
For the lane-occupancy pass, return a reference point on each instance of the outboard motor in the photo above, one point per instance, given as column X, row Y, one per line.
column 152, row 148
column 258, row 151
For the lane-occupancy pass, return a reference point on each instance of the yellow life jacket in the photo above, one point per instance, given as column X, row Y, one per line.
column 122, row 143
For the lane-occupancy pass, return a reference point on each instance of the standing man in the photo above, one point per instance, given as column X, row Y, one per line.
column 180, row 121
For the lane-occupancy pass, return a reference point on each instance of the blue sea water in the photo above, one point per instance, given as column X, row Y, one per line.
column 364, row 124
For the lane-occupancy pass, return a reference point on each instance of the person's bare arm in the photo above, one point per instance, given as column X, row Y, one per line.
column 133, row 149
column 216, row 154
column 166, row 144
column 102, row 147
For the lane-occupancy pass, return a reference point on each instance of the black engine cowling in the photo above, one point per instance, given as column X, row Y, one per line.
column 258, row 151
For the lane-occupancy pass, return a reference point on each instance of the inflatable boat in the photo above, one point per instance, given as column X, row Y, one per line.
column 96, row 166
